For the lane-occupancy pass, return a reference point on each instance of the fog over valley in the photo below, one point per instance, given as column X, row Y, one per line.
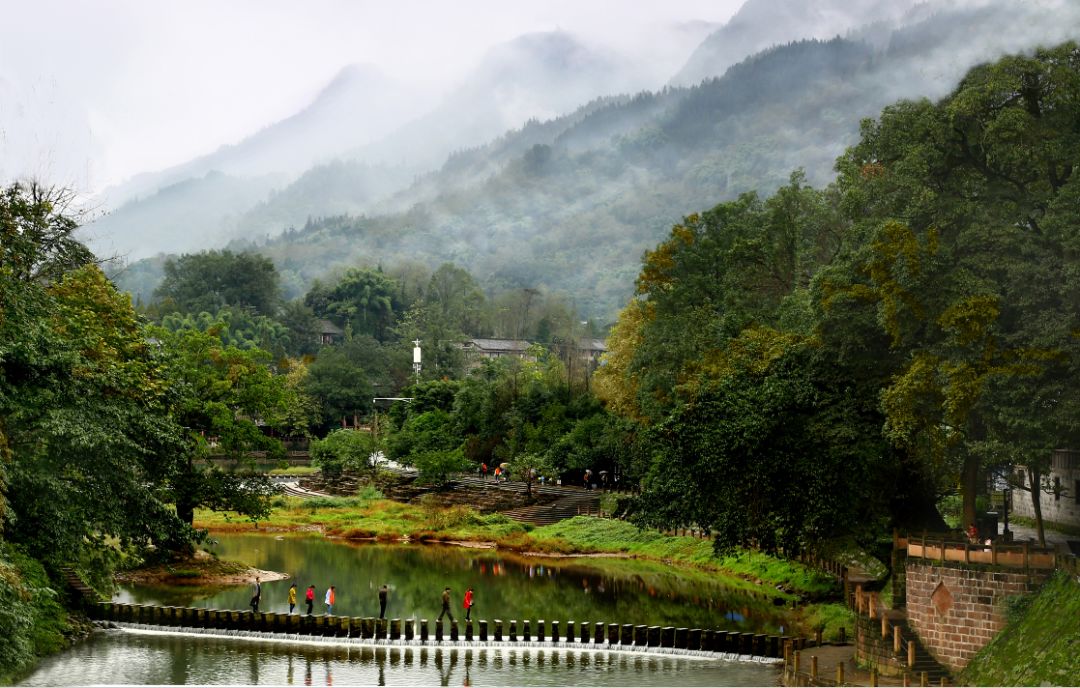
column 548, row 155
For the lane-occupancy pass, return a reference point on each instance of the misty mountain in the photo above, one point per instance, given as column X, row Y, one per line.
column 569, row 204
column 197, row 203
column 536, row 76
column 761, row 24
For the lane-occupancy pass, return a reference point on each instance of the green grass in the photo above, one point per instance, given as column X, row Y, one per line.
column 830, row 617
column 367, row 517
column 295, row 470
column 586, row 534
column 1038, row 646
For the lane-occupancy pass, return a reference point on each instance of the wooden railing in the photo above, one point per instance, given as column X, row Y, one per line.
column 949, row 547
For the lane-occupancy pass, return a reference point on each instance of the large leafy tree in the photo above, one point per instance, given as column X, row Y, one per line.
column 85, row 433
column 210, row 280
column 221, row 396
column 965, row 218
column 759, row 452
column 366, row 300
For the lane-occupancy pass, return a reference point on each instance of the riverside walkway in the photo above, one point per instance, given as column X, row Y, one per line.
column 328, row 629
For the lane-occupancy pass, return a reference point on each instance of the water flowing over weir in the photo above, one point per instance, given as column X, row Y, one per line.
column 482, row 634
column 415, row 644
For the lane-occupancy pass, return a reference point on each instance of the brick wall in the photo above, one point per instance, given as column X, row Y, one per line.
column 956, row 609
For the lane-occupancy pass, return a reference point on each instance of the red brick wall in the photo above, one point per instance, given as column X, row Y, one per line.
column 967, row 612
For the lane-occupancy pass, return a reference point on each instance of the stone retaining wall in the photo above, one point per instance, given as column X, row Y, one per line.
column 957, row 609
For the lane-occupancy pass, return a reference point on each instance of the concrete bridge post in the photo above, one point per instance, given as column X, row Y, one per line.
column 483, row 624
column 571, row 635
column 612, row 634
column 395, row 629
column 667, row 636
column 380, row 629
column 367, row 628
column 599, row 632
column 454, row 631
column 513, row 630
column 438, row 630
column 555, row 632
column 526, row 630
column 498, row 630
column 746, row 643
column 708, row 640
column 653, row 636
column 424, row 631
column 626, row 634
column 343, row 623
column 410, row 629
column 693, row 639
column 469, row 630
column 540, row 636
column 641, row 635
column 681, row 638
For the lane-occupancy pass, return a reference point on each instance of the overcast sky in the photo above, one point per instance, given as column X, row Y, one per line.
column 94, row 92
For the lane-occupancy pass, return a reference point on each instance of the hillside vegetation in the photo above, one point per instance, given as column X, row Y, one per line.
column 570, row 204
column 1039, row 645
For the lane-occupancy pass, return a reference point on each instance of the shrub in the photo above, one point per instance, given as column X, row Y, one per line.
column 343, row 450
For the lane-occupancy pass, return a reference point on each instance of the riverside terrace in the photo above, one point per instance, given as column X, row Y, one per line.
column 421, row 633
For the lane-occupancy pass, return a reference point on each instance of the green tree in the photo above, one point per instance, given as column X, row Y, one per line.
column 209, row 280
column 364, row 299
column 343, row 450
column 221, row 397
column 965, row 222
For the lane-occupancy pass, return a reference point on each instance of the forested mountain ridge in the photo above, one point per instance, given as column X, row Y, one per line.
column 569, row 204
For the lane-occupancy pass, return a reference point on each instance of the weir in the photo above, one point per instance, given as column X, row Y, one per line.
column 417, row 633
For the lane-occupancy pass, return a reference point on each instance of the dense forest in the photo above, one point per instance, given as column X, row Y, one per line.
column 888, row 337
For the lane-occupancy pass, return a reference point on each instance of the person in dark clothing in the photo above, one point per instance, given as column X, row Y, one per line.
column 382, row 601
column 309, row 597
column 256, row 595
column 446, row 605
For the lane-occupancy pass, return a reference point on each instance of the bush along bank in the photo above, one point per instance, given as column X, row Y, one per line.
column 33, row 620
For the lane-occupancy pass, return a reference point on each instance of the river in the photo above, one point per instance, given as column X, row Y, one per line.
column 505, row 587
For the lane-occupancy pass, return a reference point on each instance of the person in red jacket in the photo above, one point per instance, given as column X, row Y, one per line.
column 468, row 603
column 310, row 598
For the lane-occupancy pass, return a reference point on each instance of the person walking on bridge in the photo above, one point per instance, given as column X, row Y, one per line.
column 382, row 601
column 309, row 597
column 292, row 597
column 446, row 605
column 256, row 594
column 329, row 600
column 468, row 603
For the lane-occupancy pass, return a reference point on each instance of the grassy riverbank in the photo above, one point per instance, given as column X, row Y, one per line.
column 1039, row 644
column 367, row 517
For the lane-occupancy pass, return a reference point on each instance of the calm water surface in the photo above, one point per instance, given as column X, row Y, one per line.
column 116, row 657
column 505, row 587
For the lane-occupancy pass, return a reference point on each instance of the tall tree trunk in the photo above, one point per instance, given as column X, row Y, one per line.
column 970, row 483
column 1036, row 501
